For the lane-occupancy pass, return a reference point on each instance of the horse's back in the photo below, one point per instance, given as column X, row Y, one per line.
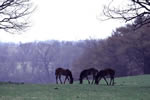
column 83, row 72
column 61, row 71
column 68, row 72
column 110, row 71
column 90, row 71
column 58, row 71
column 93, row 70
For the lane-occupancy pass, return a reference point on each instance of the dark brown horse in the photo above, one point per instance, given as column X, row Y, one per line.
column 106, row 72
column 65, row 72
column 85, row 73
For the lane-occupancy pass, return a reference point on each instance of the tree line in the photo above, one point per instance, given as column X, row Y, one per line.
column 127, row 51
column 36, row 61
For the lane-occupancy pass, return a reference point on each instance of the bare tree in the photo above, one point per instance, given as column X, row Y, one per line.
column 13, row 14
column 46, row 53
column 24, row 55
column 134, row 9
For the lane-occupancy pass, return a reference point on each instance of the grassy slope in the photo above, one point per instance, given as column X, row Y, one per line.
column 126, row 88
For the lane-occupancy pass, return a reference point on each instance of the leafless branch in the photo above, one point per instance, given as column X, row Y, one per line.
column 13, row 15
column 138, row 9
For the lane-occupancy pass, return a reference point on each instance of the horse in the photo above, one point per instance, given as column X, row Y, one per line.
column 102, row 73
column 85, row 73
column 65, row 72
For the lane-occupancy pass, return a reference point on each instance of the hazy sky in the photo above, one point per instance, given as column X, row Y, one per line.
column 65, row 20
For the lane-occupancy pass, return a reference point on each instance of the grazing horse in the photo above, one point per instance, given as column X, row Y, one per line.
column 65, row 72
column 101, row 74
column 85, row 73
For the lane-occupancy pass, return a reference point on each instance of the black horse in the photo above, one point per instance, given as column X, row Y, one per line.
column 65, row 72
column 106, row 72
column 85, row 73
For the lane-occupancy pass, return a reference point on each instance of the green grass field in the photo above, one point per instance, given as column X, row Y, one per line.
column 126, row 88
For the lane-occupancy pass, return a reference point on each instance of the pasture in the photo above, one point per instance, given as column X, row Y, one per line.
column 126, row 88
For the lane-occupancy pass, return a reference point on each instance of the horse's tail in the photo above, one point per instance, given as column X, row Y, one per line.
column 56, row 72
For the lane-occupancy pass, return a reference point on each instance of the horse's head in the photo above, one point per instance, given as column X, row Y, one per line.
column 71, row 81
column 71, row 77
column 97, row 79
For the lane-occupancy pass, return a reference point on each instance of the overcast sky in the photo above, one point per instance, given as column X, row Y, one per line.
column 65, row 20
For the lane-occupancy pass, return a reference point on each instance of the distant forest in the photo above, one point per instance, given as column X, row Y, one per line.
column 127, row 51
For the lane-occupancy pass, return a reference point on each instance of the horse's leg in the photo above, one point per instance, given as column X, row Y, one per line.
column 66, row 79
column 81, row 80
column 113, row 81
column 99, row 79
column 105, row 80
column 93, row 79
column 56, row 79
column 110, row 81
column 60, row 79
column 88, row 79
